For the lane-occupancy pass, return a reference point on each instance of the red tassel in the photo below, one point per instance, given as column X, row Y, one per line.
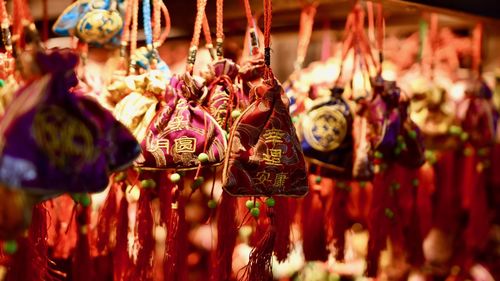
column 313, row 230
column 227, row 232
column 121, row 259
column 447, row 194
column 62, row 232
column 82, row 261
column 259, row 267
column 107, row 222
column 284, row 213
column 426, row 188
column 381, row 218
column 176, row 245
column 165, row 187
column 145, row 239
column 30, row 261
column 340, row 218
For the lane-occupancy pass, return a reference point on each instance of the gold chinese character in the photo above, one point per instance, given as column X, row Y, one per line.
column 177, row 123
column 280, row 179
column 185, row 145
column 273, row 156
column 262, row 178
column 274, row 136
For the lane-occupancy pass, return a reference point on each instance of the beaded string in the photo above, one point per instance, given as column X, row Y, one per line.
column 133, row 32
column 268, row 13
column 380, row 35
column 201, row 4
column 146, row 16
column 219, row 28
column 126, row 28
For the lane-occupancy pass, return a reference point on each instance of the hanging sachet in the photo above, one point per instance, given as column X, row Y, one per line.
column 183, row 135
column 93, row 21
column 51, row 142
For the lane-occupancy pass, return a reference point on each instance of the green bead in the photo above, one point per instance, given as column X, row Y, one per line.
column 468, row 151
column 295, row 119
column 415, row 182
column 120, row 177
column 148, row 183
column 362, row 184
column 317, row 179
column 226, row 134
column 235, row 114
column 85, row 200
column 400, row 138
column 249, row 204
column 397, row 150
column 378, row 155
column 212, row 204
column 76, row 197
column 389, row 213
column 482, row 151
column 10, row 247
column 197, row 182
column 270, row 202
column 412, row 134
column 464, row 136
column 455, row 130
column 255, row 212
column 395, row 186
column 203, row 157
column 175, row 177
column 2, row 83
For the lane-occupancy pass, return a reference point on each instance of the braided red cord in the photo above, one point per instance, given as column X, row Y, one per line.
column 248, row 13
column 477, row 39
column 220, row 19
column 206, row 31
column 268, row 14
column 305, row 31
column 135, row 25
column 166, row 16
column 156, row 20
column 201, row 4
column 126, row 25
column 4, row 17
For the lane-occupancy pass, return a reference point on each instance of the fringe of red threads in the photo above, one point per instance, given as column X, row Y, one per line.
column 107, row 222
column 284, row 211
column 82, row 269
column 121, row 259
column 340, row 217
column 145, row 238
column 175, row 264
column 313, row 223
column 227, row 232
column 259, row 267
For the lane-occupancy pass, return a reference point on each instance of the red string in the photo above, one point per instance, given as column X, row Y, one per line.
column 4, row 17
column 219, row 19
column 126, row 25
column 268, row 14
column 305, row 31
column 248, row 13
column 45, row 30
column 135, row 25
column 477, row 38
column 201, row 4
column 156, row 20
column 206, row 31
column 166, row 16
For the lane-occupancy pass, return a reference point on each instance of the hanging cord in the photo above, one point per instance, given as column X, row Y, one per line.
column 156, row 21
column 5, row 24
column 22, row 17
column 268, row 14
column 305, row 31
column 201, row 4
column 146, row 17
column 380, row 35
column 208, row 37
column 133, row 33
column 326, row 44
column 477, row 39
column 254, row 42
column 219, row 25
column 45, row 28
column 126, row 29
